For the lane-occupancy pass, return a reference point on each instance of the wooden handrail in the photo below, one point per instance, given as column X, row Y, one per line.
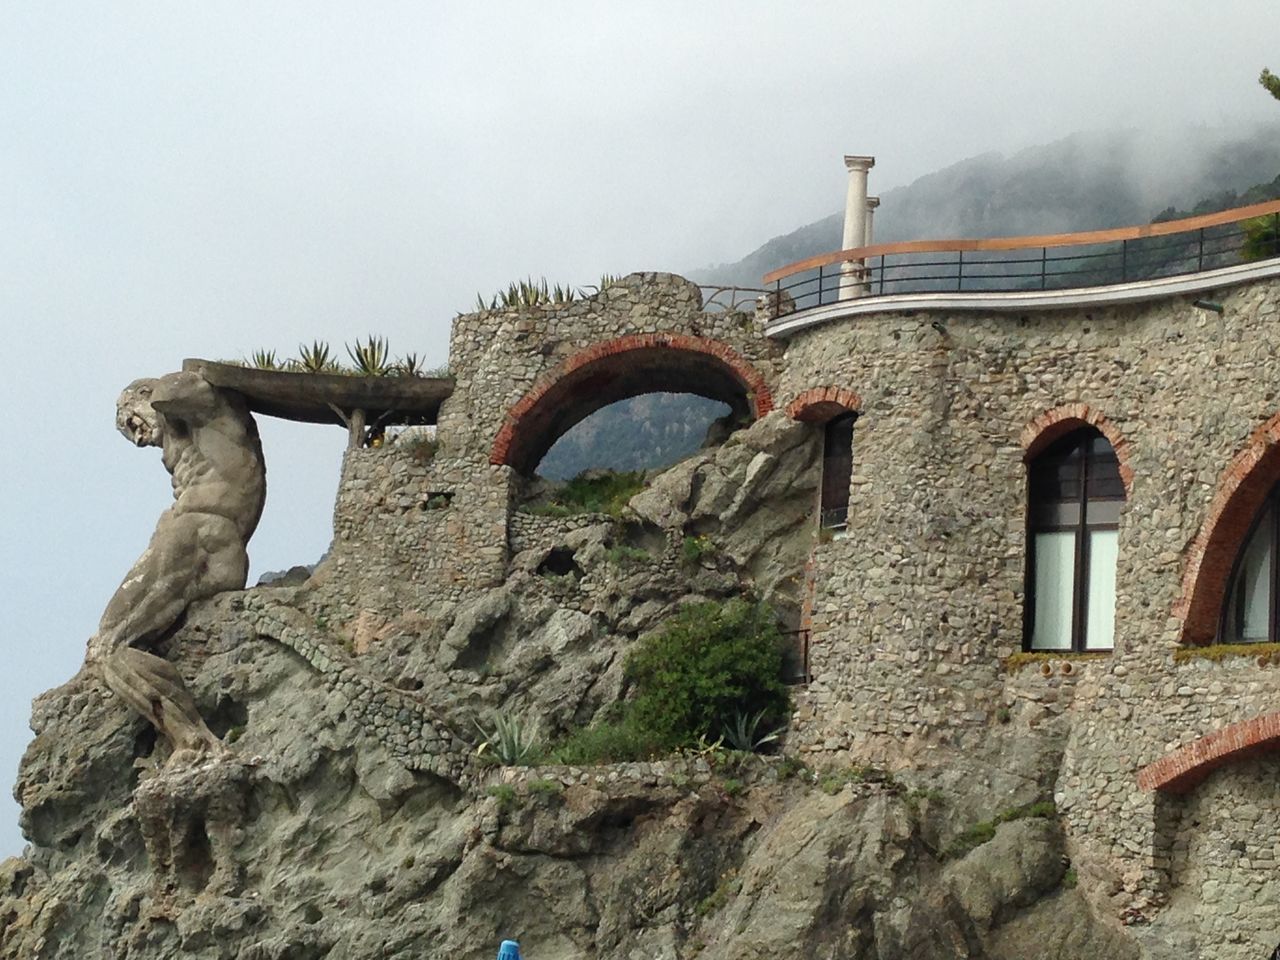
column 1019, row 243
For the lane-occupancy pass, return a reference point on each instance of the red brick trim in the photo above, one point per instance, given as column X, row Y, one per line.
column 820, row 404
column 1241, row 491
column 1184, row 768
column 758, row 393
column 1058, row 422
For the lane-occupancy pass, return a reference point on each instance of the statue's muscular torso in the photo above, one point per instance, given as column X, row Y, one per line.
column 216, row 463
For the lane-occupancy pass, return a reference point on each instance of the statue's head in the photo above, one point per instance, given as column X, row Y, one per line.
column 136, row 418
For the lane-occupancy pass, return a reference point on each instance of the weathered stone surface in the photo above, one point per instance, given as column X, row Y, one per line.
column 356, row 823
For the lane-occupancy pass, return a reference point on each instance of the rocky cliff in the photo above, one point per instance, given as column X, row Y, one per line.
column 353, row 820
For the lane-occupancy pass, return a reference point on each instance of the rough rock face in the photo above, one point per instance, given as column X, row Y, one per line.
column 335, row 850
column 353, row 824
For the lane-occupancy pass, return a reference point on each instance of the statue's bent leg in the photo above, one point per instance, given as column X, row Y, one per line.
column 152, row 686
column 190, row 557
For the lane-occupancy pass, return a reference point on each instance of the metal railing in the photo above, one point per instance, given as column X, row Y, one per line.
column 1016, row 264
column 727, row 298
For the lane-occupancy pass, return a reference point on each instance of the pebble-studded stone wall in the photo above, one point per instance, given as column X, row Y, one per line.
column 531, row 531
column 411, row 729
column 499, row 356
column 918, row 605
column 432, row 520
column 1225, row 856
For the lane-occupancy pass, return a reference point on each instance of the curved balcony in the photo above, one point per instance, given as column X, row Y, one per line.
column 1053, row 271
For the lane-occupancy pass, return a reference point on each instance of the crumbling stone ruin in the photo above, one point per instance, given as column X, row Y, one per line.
column 975, row 766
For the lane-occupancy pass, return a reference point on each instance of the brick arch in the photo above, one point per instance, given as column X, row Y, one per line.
column 1241, row 491
column 1053, row 424
column 1184, row 768
column 616, row 370
column 820, row 404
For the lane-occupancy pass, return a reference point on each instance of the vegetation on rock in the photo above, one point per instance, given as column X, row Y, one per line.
column 980, row 833
column 596, row 492
column 370, row 358
column 537, row 293
column 711, row 664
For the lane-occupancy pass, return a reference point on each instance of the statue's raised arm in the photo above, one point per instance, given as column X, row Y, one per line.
column 211, row 448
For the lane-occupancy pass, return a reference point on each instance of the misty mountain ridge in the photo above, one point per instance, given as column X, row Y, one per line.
column 1087, row 181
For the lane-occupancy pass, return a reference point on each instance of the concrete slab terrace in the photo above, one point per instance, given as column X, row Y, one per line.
column 313, row 397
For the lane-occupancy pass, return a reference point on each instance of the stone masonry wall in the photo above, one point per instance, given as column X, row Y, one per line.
column 435, row 522
column 498, row 356
column 918, row 606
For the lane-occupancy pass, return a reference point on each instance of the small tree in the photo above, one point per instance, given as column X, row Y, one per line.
column 709, row 665
column 1271, row 82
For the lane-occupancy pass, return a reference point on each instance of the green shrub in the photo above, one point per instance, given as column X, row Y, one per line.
column 728, row 886
column 1261, row 238
column 693, row 549
column 546, row 786
column 793, row 767
column 609, row 741
column 598, row 493
column 980, row 833
column 623, row 556
column 709, row 664
column 505, row 795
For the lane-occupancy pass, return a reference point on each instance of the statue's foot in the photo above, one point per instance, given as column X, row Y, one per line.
column 198, row 752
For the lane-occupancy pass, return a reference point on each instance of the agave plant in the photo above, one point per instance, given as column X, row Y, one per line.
column 509, row 741
column 265, row 360
column 371, row 358
column 565, row 294
column 410, row 365
column 315, row 358
column 606, row 280
column 744, row 733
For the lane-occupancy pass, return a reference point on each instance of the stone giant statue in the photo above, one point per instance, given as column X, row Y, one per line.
column 211, row 448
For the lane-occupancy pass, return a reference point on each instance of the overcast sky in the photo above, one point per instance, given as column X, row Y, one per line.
column 182, row 179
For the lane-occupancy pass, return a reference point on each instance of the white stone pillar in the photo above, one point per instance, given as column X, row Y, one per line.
column 868, row 233
column 855, row 223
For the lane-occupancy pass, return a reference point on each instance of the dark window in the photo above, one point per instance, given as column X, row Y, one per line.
column 1251, row 612
column 837, row 471
column 1075, row 498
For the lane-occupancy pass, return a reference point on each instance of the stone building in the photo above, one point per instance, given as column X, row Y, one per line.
column 1052, row 526
column 1016, row 499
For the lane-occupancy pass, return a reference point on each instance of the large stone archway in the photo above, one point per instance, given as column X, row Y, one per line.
column 616, row 370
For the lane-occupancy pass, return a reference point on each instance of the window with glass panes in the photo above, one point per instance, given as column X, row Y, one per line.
column 1251, row 612
column 1075, row 498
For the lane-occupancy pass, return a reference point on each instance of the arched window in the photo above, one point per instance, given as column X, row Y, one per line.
column 1250, row 615
column 837, row 471
column 1076, row 494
